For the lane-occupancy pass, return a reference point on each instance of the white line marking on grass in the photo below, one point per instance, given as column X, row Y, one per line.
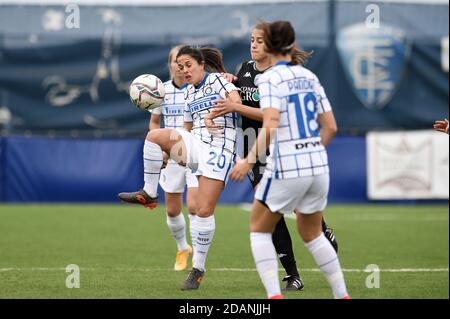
column 221, row 269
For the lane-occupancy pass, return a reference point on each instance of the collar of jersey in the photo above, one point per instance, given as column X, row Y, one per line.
column 181, row 87
column 281, row 63
column 202, row 82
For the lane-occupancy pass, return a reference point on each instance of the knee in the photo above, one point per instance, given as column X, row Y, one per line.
column 172, row 213
column 152, row 135
column 309, row 235
column 173, row 210
column 205, row 211
column 192, row 208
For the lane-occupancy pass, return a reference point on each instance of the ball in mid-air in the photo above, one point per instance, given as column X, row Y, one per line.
column 147, row 92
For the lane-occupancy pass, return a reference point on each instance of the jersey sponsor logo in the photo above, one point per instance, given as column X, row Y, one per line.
column 301, row 146
column 247, row 75
column 249, row 94
column 174, row 110
column 203, row 103
column 374, row 60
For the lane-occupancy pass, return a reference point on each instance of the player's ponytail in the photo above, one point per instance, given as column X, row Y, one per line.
column 300, row 57
column 211, row 57
column 279, row 38
column 213, row 60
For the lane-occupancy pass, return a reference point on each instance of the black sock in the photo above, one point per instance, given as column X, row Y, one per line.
column 324, row 225
column 329, row 235
column 283, row 245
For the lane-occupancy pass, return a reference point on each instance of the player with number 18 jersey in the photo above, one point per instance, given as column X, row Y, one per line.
column 297, row 157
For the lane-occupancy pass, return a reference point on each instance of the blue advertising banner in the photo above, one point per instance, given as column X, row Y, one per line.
column 42, row 169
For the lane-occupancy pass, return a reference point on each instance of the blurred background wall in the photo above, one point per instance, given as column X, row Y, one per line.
column 70, row 134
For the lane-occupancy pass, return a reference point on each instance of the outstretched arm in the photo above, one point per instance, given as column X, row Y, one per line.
column 270, row 124
column 227, row 106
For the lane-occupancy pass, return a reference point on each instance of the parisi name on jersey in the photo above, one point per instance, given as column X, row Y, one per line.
column 297, row 93
column 199, row 100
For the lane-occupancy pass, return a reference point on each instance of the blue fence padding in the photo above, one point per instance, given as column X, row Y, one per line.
column 2, row 154
column 236, row 192
column 42, row 169
column 348, row 176
column 69, row 170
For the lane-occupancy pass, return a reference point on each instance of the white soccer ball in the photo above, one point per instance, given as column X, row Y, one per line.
column 147, row 92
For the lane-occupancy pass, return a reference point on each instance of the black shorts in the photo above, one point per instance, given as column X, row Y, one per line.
column 256, row 174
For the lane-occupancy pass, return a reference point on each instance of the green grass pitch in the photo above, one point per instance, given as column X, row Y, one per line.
column 125, row 251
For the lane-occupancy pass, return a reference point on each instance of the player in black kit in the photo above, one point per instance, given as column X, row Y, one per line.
column 252, row 120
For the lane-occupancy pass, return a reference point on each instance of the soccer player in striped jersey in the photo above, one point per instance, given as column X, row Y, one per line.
column 298, row 123
column 174, row 177
column 251, row 123
column 210, row 155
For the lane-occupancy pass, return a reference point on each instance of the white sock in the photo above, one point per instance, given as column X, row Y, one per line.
column 266, row 262
column 191, row 220
column 153, row 160
column 202, row 229
column 325, row 256
column 177, row 227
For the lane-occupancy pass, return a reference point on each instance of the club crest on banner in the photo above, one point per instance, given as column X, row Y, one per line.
column 374, row 60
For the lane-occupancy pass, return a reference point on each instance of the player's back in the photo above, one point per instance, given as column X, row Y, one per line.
column 299, row 96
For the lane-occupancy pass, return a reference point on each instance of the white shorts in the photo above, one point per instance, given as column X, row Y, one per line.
column 306, row 194
column 205, row 160
column 175, row 177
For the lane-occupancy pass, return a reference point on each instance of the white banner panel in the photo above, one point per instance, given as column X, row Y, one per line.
column 408, row 165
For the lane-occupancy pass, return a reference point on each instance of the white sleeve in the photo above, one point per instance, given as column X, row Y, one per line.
column 323, row 104
column 268, row 92
column 221, row 86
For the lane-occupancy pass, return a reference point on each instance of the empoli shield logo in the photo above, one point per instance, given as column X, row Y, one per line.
column 374, row 60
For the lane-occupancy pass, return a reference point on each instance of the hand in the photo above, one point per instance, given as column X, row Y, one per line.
column 240, row 169
column 222, row 107
column 211, row 126
column 441, row 126
column 229, row 77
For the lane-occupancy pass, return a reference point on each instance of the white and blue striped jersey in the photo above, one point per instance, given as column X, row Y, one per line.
column 296, row 92
column 172, row 108
column 200, row 100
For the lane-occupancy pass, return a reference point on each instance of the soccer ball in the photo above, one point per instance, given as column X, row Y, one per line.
column 147, row 92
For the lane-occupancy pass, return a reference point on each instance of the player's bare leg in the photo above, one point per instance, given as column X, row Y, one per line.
column 310, row 229
column 203, row 228
column 157, row 142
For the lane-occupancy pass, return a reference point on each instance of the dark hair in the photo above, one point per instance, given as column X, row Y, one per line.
column 300, row 57
column 261, row 25
column 211, row 57
column 279, row 38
